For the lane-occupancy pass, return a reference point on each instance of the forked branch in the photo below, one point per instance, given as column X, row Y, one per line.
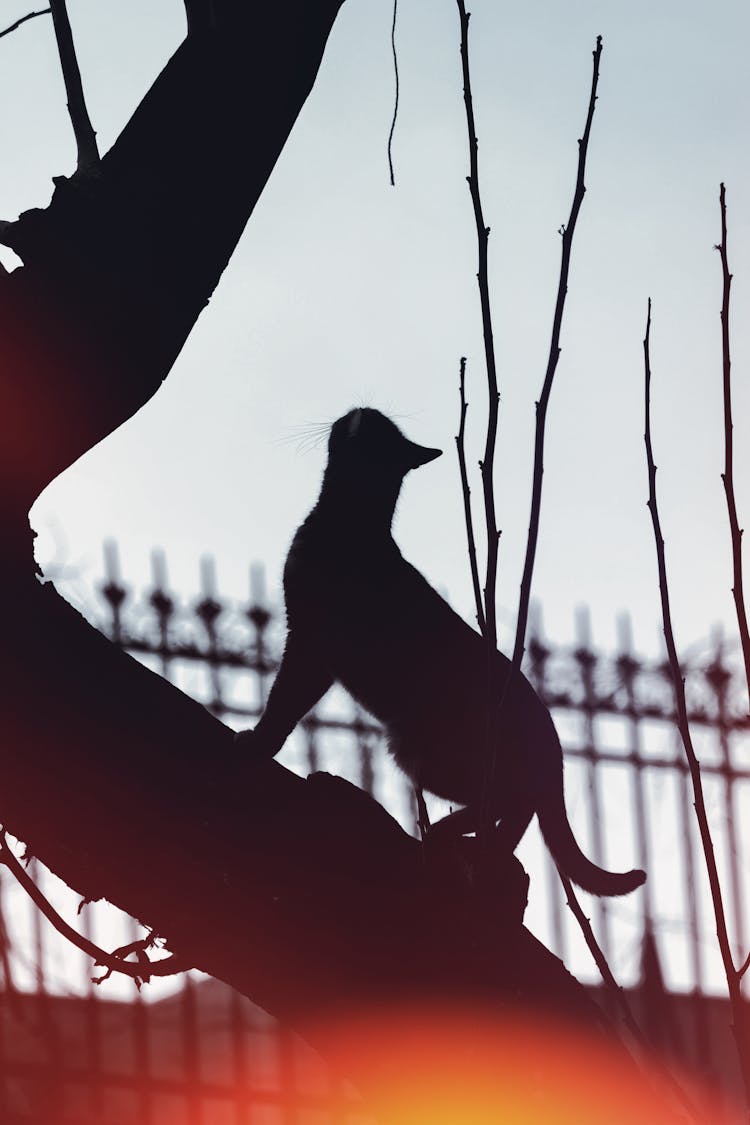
column 140, row 970
column 541, row 414
column 483, row 236
column 88, row 153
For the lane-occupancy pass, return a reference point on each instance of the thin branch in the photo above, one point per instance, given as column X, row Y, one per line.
column 727, row 476
column 466, row 491
column 626, row 1012
column 601, row 961
column 732, row 976
column 483, row 234
column 522, row 618
column 554, row 355
column 88, row 153
column 745, row 966
column 487, row 465
column 395, row 101
column 567, row 232
column 114, row 962
column 23, row 19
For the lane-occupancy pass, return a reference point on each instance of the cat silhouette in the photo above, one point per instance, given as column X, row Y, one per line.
column 358, row 613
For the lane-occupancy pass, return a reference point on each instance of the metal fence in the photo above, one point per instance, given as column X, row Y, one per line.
column 627, row 787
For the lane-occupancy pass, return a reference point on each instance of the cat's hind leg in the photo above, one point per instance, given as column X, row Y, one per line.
column 508, row 834
column 512, row 828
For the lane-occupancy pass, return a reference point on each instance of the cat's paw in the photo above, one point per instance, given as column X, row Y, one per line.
column 251, row 749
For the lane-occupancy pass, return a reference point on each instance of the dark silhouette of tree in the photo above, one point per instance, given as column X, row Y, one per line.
column 304, row 895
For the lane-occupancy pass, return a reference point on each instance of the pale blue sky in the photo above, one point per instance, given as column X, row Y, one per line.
column 344, row 290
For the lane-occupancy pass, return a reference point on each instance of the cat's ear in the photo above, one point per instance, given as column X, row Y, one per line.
column 355, row 422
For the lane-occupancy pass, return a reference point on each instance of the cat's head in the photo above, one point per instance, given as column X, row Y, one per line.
column 366, row 442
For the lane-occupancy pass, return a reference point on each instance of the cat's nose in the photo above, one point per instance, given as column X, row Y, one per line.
column 420, row 454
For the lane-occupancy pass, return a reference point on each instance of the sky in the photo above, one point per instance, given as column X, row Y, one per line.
column 346, row 291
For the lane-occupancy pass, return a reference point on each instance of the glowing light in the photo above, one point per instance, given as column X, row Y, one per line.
column 463, row 1068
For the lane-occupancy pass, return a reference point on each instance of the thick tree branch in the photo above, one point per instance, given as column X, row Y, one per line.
column 140, row 970
column 304, row 895
column 120, row 265
column 88, row 152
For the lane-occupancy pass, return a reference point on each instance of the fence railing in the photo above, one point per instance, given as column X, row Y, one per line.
column 627, row 781
column 627, row 791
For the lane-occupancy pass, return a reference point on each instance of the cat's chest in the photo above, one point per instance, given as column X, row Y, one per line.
column 346, row 583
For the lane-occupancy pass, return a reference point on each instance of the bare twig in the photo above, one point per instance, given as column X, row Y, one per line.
column 727, row 476
column 23, row 19
column 567, row 232
column 395, row 100
column 466, row 492
column 739, row 1019
column 488, row 463
column 601, row 962
column 114, row 962
column 88, row 153
column 621, row 1000
column 554, row 355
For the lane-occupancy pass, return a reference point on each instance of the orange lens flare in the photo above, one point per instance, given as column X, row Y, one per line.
column 460, row 1068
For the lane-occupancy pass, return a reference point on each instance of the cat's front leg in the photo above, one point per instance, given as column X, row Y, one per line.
column 303, row 678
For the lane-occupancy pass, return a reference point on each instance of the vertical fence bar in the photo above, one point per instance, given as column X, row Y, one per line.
column 113, row 591
column 312, row 759
column 287, row 1076
column 364, row 752
column 93, row 1030
column 208, row 610
column 260, row 618
column 163, row 607
column 586, row 660
column 142, row 1052
column 700, row 1028
column 191, row 1052
column 718, row 677
column 239, row 1061
column 538, row 657
column 628, row 669
column 52, row 1092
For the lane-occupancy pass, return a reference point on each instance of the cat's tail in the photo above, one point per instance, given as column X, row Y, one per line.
column 558, row 835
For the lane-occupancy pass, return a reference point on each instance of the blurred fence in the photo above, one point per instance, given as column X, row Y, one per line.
column 627, row 790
